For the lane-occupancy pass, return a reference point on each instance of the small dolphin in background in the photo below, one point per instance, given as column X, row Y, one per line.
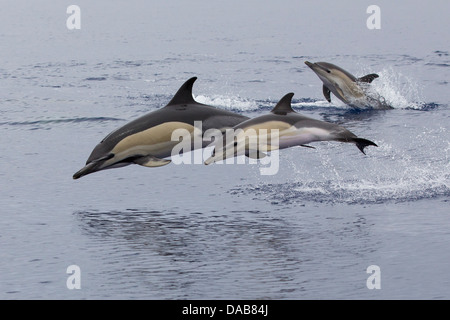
column 146, row 141
column 349, row 89
column 293, row 128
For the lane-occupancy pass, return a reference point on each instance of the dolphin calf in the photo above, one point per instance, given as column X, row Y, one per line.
column 349, row 89
column 293, row 128
column 146, row 141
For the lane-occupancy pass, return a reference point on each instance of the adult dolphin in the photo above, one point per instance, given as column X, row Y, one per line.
column 293, row 129
column 349, row 89
column 146, row 141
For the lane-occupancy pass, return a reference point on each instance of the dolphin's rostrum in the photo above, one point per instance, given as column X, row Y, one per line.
column 147, row 140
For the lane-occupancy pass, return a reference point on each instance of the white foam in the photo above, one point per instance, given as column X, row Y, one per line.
column 388, row 173
column 398, row 90
column 318, row 104
column 229, row 102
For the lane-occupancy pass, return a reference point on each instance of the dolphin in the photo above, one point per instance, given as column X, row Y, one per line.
column 146, row 141
column 349, row 89
column 293, row 128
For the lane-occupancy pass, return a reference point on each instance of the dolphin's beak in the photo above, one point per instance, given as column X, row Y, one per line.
column 315, row 66
column 89, row 168
column 92, row 166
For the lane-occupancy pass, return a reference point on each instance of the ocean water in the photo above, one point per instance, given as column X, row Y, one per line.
column 223, row 231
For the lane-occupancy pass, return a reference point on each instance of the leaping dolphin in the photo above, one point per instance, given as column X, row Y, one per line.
column 349, row 89
column 147, row 140
column 293, row 128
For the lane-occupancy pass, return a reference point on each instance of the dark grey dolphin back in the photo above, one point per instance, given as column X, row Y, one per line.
column 181, row 108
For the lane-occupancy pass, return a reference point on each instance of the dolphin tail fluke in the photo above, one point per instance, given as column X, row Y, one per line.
column 362, row 143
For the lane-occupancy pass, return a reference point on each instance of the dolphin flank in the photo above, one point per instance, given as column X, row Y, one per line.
column 346, row 87
column 293, row 129
column 146, row 141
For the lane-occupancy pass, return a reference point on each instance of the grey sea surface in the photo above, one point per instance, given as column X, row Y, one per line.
column 223, row 231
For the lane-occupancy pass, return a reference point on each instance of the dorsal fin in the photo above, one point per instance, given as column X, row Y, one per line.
column 368, row 78
column 284, row 105
column 184, row 94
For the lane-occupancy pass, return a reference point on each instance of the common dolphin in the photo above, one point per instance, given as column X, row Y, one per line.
column 349, row 89
column 147, row 140
column 293, row 128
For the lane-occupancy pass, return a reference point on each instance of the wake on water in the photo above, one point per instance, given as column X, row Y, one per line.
column 337, row 178
column 409, row 181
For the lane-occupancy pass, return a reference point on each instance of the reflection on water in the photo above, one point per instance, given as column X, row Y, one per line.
column 244, row 254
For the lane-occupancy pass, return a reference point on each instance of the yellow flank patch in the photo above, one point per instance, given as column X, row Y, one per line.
column 260, row 135
column 269, row 125
column 346, row 84
column 159, row 134
column 318, row 133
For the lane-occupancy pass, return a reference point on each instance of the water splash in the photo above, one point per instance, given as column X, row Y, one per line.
column 412, row 185
column 391, row 174
column 397, row 90
column 308, row 103
column 239, row 104
column 232, row 103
